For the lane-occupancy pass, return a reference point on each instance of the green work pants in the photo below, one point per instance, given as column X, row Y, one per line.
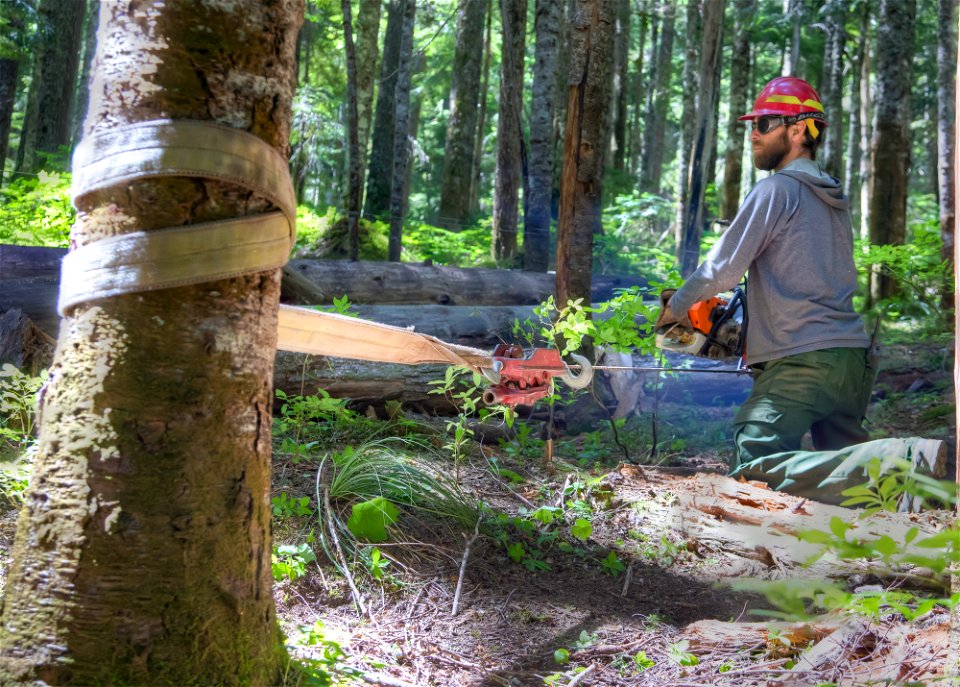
column 825, row 392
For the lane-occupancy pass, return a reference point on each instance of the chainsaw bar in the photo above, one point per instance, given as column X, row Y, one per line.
column 741, row 371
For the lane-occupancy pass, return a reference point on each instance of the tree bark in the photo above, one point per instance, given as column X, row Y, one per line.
column 458, row 158
column 482, row 116
column 831, row 156
column 47, row 119
column 636, row 88
column 368, row 29
column 509, row 131
column 851, row 177
column 142, row 555
column 704, row 135
column 946, row 134
column 691, row 100
column 866, row 121
column 739, row 102
column 9, row 73
column 380, row 172
column 618, row 107
column 591, row 62
column 791, row 59
column 536, row 229
column 891, row 143
column 660, row 99
column 401, row 133
column 354, row 196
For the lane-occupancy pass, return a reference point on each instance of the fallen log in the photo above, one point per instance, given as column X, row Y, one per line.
column 320, row 281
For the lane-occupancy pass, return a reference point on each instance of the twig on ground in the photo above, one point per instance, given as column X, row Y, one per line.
column 358, row 599
column 463, row 570
column 563, row 490
column 627, row 579
column 384, row 680
column 580, row 677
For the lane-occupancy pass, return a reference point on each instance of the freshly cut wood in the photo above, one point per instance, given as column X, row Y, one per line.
column 320, row 281
column 708, row 635
column 757, row 526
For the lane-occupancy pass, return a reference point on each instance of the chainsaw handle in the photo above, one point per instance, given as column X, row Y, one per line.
column 582, row 380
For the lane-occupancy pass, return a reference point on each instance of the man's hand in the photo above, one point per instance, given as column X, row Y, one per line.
column 667, row 316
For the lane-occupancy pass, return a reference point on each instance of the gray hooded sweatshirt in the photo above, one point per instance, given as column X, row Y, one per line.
column 793, row 234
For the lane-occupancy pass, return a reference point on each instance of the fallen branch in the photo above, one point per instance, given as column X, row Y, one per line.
column 627, row 579
column 463, row 570
column 580, row 677
column 358, row 599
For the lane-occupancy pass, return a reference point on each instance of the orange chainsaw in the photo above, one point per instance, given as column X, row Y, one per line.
column 718, row 332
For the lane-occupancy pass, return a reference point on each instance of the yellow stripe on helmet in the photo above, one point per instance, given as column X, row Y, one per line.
column 794, row 100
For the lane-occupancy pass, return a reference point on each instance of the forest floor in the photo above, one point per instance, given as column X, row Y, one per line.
column 648, row 596
column 591, row 570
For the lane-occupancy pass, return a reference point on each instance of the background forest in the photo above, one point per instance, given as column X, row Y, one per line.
column 441, row 124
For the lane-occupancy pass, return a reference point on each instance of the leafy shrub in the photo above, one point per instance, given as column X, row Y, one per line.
column 37, row 211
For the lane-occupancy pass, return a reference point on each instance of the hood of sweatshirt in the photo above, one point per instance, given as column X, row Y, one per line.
column 826, row 187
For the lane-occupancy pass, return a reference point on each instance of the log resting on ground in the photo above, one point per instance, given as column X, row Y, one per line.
column 386, row 283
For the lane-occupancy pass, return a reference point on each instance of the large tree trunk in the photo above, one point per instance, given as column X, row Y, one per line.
column 791, row 58
column 47, row 119
column 142, row 554
column 739, row 80
column 458, row 160
column 660, row 100
column 536, row 229
column 704, row 135
column 866, row 120
column 946, row 134
column 78, row 111
column 401, row 133
column 513, row 14
column 380, row 172
column 354, row 196
column 591, row 62
column 832, row 89
column 691, row 89
column 890, row 146
column 636, row 90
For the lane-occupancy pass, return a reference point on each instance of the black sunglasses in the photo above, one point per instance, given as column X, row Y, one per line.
column 765, row 124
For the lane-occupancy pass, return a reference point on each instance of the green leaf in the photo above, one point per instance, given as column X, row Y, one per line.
column 369, row 520
column 561, row 656
column 582, row 529
column 839, row 527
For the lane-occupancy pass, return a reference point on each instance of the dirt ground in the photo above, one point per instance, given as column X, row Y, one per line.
column 664, row 612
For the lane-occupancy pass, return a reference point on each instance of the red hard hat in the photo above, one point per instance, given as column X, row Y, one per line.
column 788, row 96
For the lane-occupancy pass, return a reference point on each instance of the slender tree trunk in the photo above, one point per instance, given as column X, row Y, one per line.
column 744, row 11
column 354, row 195
column 791, row 58
column 866, row 124
column 851, row 178
column 142, row 555
column 368, row 30
column 691, row 105
column 946, row 134
column 54, row 76
column 636, row 97
column 79, row 101
column 458, row 160
column 590, row 75
column 656, row 121
column 704, row 135
column 618, row 109
column 401, row 133
column 9, row 73
column 890, row 146
column 482, row 116
column 536, row 226
column 380, row 172
column 509, row 130
column 831, row 157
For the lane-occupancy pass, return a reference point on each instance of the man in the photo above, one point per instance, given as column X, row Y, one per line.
column 805, row 343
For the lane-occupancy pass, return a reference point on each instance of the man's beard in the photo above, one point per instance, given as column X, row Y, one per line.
column 769, row 156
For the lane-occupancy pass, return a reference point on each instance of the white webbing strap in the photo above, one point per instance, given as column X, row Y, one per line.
column 191, row 254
